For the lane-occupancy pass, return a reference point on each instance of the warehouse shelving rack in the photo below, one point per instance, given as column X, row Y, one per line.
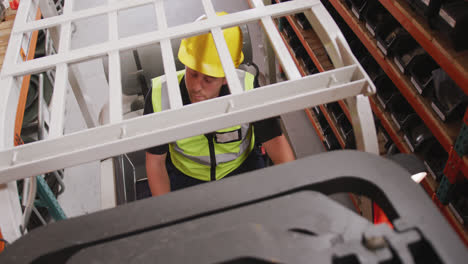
column 454, row 63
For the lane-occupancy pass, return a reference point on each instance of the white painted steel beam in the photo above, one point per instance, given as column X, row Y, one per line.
column 175, row 99
column 115, row 86
column 108, row 193
column 82, row 14
column 57, row 104
column 115, row 78
column 108, row 197
column 180, row 31
column 359, row 107
column 48, row 9
column 363, row 124
column 57, row 117
column 65, row 29
column 168, row 126
column 86, row 111
column 279, row 46
column 10, row 208
column 223, row 52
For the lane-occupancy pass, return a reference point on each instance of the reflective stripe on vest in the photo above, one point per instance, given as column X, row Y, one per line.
column 221, row 157
column 191, row 155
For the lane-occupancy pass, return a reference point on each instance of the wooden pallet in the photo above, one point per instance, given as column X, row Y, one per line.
column 5, row 32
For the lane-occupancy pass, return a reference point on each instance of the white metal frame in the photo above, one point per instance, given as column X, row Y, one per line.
column 59, row 151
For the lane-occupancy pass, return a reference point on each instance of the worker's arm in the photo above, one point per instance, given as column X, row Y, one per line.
column 158, row 179
column 279, row 150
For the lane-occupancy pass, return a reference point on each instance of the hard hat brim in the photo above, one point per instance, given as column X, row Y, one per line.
column 211, row 70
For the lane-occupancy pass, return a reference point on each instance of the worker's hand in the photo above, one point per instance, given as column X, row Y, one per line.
column 279, row 150
column 158, row 180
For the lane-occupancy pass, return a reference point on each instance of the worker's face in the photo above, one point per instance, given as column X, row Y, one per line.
column 202, row 87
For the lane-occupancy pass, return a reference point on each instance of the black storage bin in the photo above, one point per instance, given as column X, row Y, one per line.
column 401, row 112
column 323, row 123
column 450, row 101
column 405, row 51
column 421, row 7
column 435, row 157
column 374, row 15
column 453, row 21
column 392, row 149
column 348, row 3
column 417, row 135
column 310, row 65
column 383, row 139
column 460, row 201
column 303, row 21
column 358, row 8
column 287, row 29
column 335, row 111
column 300, row 52
column 387, row 140
column 331, row 142
column 358, row 49
column 371, row 67
column 387, row 37
column 421, row 74
column 346, row 130
column 385, row 89
column 294, row 42
column 282, row 24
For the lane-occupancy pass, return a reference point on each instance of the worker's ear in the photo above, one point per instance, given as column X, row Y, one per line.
column 224, row 81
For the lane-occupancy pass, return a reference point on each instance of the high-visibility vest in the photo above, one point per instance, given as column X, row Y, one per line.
column 212, row 156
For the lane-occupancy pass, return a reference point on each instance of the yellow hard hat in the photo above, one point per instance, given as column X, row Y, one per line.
column 199, row 52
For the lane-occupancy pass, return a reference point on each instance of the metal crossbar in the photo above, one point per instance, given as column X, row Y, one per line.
column 168, row 126
column 15, row 160
column 149, row 38
column 59, row 151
